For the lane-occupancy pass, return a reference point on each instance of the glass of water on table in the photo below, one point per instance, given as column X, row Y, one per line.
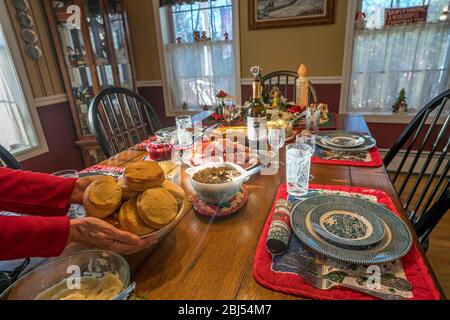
column 298, row 165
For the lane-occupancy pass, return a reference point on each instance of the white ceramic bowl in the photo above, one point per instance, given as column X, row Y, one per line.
column 217, row 193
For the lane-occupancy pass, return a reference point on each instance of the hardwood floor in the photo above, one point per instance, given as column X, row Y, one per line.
column 439, row 248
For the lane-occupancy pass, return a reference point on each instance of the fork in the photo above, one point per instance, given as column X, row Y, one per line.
column 318, row 281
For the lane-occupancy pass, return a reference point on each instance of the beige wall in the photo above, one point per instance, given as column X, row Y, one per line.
column 321, row 48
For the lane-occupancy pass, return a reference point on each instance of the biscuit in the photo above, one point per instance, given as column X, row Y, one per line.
column 143, row 175
column 127, row 194
column 102, row 198
column 157, row 207
column 130, row 221
column 176, row 191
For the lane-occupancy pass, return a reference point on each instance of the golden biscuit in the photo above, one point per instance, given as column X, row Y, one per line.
column 102, row 198
column 157, row 207
column 143, row 175
column 176, row 191
column 130, row 221
column 127, row 194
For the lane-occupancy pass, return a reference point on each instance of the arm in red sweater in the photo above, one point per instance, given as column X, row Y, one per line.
column 34, row 193
column 22, row 237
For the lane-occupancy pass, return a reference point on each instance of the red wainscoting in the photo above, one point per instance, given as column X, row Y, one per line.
column 61, row 136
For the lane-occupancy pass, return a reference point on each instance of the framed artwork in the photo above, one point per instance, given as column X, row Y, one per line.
column 265, row 14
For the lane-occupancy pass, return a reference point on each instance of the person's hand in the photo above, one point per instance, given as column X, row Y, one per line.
column 81, row 186
column 98, row 234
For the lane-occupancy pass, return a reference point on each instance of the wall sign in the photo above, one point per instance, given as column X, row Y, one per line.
column 401, row 16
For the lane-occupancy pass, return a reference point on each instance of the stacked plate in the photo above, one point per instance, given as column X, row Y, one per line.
column 346, row 141
column 351, row 230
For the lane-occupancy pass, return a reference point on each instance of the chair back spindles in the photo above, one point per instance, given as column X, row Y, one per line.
column 8, row 160
column 120, row 119
column 425, row 182
column 285, row 80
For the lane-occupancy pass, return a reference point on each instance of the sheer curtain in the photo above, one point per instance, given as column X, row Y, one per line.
column 12, row 131
column 197, row 71
column 415, row 58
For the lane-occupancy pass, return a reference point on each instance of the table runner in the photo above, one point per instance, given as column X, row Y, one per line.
column 291, row 283
column 370, row 158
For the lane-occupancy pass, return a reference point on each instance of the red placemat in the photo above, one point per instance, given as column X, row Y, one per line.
column 415, row 268
column 375, row 160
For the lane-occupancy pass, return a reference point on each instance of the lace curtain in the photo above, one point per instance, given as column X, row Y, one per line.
column 413, row 57
column 197, row 71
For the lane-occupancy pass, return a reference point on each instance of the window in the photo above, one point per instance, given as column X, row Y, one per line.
column 16, row 128
column 198, row 52
column 388, row 59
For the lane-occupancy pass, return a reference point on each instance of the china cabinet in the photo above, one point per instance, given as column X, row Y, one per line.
column 94, row 52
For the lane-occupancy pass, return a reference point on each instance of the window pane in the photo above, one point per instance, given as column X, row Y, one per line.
column 199, row 68
column 16, row 129
column 415, row 57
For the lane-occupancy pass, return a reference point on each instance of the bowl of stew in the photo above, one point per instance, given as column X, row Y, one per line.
column 217, row 183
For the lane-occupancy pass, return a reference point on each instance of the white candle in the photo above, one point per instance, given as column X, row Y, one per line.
column 302, row 87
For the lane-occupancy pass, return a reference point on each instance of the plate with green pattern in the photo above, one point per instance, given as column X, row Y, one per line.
column 345, row 141
column 347, row 226
column 396, row 243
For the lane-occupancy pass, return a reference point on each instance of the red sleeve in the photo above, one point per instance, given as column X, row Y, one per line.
column 34, row 193
column 30, row 237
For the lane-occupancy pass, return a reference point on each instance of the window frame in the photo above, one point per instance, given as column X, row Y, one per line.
column 19, row 66
column 168, row 104
column 371, row 117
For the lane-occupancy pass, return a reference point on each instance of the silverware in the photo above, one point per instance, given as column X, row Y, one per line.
column 124, row 295
column 314, row 277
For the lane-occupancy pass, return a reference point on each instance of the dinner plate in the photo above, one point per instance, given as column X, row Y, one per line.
column 396, row 243
column 368, row 144
column 344, row 140
column 347, row 226
column 187, row 159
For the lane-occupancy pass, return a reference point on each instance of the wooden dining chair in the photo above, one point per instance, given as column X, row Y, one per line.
column 422, row 177
column 286, row 82
column 8, row 160
column 120, row 119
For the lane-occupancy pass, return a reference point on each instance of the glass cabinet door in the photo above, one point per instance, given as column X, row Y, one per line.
column 120, row 42
column 77, row 62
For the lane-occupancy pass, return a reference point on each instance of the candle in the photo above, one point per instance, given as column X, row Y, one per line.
column 302, row 87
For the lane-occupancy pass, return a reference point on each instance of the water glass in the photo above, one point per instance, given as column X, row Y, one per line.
column 307, row 137
column 298, row 165
column 229, row 111
column 313, row 113
column 276, row 138
column 184, row 130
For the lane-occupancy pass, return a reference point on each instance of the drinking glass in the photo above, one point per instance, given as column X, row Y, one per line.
column 298, row 164
column 276, row 138
column 184, row 130
column 228, row 111
column 313, row 113
column 308, row 138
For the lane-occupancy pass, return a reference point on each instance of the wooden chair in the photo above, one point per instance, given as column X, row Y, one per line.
column 286, row 82
column 120, row 119
column 8, row 160
column 431, row 186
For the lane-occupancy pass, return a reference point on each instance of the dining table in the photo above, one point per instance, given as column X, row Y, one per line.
column 212, row 258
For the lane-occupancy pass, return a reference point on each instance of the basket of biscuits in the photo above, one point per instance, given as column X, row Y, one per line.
column 142, row 201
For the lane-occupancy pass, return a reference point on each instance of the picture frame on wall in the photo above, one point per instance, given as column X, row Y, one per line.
column 264, row 14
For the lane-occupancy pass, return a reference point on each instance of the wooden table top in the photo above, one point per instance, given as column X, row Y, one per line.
column 212, row 259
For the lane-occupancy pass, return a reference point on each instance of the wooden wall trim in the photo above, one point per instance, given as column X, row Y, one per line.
column 50, row 100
